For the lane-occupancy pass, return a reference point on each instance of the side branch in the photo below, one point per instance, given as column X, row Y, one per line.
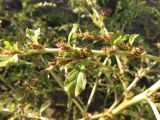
column 126, row 103
column 142, row 96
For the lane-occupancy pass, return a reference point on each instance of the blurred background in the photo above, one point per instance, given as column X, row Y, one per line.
column 24, row 89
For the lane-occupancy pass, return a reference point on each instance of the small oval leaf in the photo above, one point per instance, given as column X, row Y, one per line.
column 75, row 82
column 7, row 45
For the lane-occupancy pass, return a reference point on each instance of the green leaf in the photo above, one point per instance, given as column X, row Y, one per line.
column 75, row 82
column 81, row 82
column 8, row 60
column 33, row 35
column 116, row 38
column 36, row 35
column 7, row 45
column 124, row 38
column 132, row 38
column 29, row 33
column 44, row 106
column 15, row 47
column 109, row 61
column 12, row 106
column 74, row 29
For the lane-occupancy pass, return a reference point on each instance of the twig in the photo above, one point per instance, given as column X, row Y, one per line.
column 94, row 87
column 140, row 73
column 79, row 106
column 138, row 98
column 126, row 103
column 92, row 94
column 116, row 101
column 122, row 72
column 119, row 64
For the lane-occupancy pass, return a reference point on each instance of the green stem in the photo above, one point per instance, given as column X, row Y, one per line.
column 116, row 101
column 79, row 106
column 126, row 103
column 137, row 98
column 92, row 94
column 95, row 86
column 140, row 73
column 96, row 52
column 122, row 72
column 151, row 57
column 114, row 104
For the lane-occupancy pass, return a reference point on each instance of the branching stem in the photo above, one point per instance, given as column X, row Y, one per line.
column 96, row 52
column 126, row 103
column 95, row 86
column 140, row 73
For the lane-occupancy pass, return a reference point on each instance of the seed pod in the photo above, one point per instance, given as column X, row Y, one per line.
column 9, row 52
column 109, row 50
column 63, row 46
column 36, row 46
column 136, row 52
